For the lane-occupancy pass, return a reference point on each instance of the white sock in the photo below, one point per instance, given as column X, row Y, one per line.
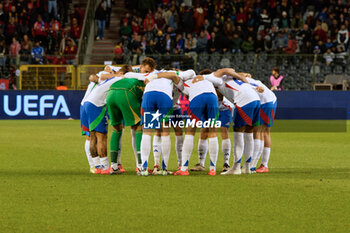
column 119, row 158
column 145, row 149
column 262, row 144
column 114, row 165
column 213, row 152
column 202, row 150
column 157, row 150
column 133, row 142
column 238, row 145
column 104, row 162
column 248, row 147
column 186, row 151
column 178, row 145
column 96, row 161
column 265, row 156
column 226, row 150
column 166, row 147
column 88, row 154
column 256, row 152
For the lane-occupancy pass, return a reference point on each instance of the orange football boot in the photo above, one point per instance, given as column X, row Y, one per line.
column 262, row 169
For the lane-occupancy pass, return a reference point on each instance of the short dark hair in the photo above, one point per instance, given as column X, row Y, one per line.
column 276, row 69
column 125, row 69
column 206, row 71
column 149, row 61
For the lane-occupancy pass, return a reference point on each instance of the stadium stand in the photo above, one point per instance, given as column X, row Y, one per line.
column 306, row 40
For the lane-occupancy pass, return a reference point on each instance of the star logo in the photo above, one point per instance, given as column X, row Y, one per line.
column 155, row 115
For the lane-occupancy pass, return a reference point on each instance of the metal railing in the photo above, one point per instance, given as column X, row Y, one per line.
column 89, row 23
column 46, row 77
column 301, row 72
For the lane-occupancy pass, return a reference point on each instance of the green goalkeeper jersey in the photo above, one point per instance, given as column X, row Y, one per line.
column 130, row 84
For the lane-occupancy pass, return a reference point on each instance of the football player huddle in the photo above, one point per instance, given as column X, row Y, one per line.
column 148, row 100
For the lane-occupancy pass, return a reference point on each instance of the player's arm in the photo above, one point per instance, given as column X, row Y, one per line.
column 245, row 74
column 174, row 77
column 215, row 80
column 230, row 72
column 107, row 76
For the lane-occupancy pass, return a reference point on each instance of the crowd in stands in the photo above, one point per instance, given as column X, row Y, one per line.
column 40, row 31
column 236, row 26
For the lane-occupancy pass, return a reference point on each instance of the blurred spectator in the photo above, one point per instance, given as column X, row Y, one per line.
column 2, row 52
column 25, row 54
column 108, row 4
column 70, row 51
column 126, row 31
column 297, row 22
column 14, row 51
column 268, row 45
column 40, row 31
column 118, row 53
column 27, row 41
column 52, row 8
column 75, row 30
column 55, row 35
column 78, row 14
column 3, row 17
column 149, row 22
column 343, row 36
column 180, row 43
column 198, row 17
column 12, row 29
column 276, row 80
column 191, row 43
column 202, row 42
column 213, row 44
column 291, row 46
column 328, row 57
column 135, row 26
column 236, row 43
column 160, row 22
column 248, row 45
column 188, row 19
column 281, row 41
column 38, row 53
column 284, row 21
column 100, row 16
column 259, row 45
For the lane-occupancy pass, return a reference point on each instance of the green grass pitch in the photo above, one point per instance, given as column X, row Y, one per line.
column 45, row 186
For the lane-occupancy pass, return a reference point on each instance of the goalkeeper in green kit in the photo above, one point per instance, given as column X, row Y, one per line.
column 124, row 104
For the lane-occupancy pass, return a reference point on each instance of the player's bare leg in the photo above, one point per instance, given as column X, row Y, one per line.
column 102, row 151
column 93, row 152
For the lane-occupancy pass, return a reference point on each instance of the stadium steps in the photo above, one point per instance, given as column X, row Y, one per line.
column 103, row 49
